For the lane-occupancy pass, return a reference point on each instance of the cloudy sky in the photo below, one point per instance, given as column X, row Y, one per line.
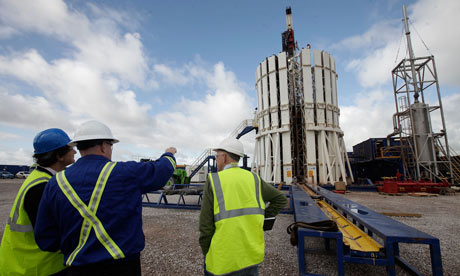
column 182, row 73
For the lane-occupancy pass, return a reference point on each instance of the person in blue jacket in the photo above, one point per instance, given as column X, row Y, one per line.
column 92, row 211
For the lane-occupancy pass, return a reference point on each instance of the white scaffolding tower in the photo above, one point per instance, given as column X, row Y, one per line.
column 298, row 118
column 299, row 137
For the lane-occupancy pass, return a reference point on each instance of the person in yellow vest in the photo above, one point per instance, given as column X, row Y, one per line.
column 232, row 214
column 19, row 253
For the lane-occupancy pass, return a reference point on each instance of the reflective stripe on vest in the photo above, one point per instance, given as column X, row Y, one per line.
column 90, row 219
column 223, row 213
column 173, row 163
column 13, row 223
column 19, row 253
column 238, row 239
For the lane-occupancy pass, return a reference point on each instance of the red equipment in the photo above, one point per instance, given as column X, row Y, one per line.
column 392, row 185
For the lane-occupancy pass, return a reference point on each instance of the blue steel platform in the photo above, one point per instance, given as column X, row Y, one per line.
column 390, row 231
column 180, row 192
column 306, row 210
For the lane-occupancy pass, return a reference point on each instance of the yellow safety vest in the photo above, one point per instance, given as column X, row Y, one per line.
column 88, row 212
column 19, row 253
column 238, row 241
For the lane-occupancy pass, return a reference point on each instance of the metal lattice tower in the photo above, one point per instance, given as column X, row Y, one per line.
column 296, row 111
column 415, row 83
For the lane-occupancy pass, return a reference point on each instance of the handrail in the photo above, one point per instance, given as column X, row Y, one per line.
column 201, row 165
column 207, row 152
column 203, row 155
column 241, row 126
column 454, row 163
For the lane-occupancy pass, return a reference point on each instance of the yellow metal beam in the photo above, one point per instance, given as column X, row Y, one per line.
column 353, row 236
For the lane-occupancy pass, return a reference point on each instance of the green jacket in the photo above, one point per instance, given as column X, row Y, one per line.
column 276, row 199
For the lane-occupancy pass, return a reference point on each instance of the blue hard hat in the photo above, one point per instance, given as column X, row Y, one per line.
column 49, row 140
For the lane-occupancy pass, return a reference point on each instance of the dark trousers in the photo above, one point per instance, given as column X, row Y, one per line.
column 122, row 267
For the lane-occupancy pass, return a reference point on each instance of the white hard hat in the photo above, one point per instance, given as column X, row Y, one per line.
column 92, row 130
column 231, row 145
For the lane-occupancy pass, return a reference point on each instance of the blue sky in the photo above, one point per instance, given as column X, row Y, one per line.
column 182, row 73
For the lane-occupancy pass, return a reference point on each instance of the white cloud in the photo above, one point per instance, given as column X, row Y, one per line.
column 97, row 79
column 50, row 17
column 450, row 106
column 34, row 112
column 369, row 117
column 379, row 45
column 119, row 56
column 83, row 93
column 378, row 35
column 99, row 43
column 16, row 157
column 375, row 68
column 112, row 18
column 199, row 124
column 435, row 22
column 76, row 86
column 172, row 76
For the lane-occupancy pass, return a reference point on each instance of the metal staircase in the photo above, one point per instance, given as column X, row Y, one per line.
column 455, row 161
column 204, row 158
column 243, row 128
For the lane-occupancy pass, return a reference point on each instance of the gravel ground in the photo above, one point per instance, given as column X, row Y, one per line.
column 172, row 237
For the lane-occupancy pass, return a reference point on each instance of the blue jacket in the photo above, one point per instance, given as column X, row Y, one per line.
column 120, row 210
